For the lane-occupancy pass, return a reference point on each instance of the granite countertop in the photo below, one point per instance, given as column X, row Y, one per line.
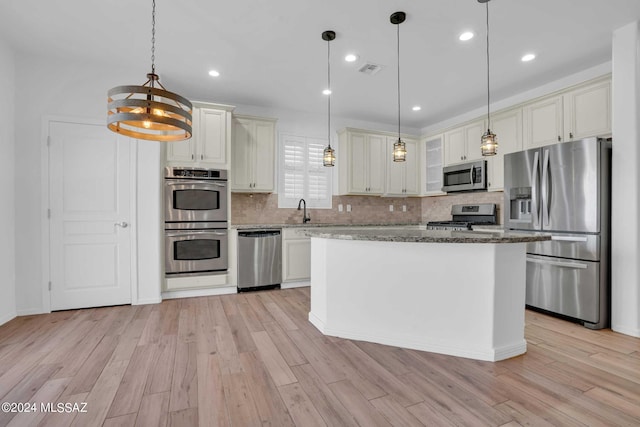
column 411, row 234
column 315, row 225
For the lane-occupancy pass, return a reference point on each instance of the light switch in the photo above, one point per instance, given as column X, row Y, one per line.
column 404, row 208
column 390, row 208
column 340, row 207
column 348, row 208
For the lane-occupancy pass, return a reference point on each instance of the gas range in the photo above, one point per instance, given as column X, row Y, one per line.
column 466, row 216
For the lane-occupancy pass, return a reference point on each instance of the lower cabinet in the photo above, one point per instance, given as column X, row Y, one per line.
column 296, row 256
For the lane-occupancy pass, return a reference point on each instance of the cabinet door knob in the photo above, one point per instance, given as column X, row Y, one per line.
column 559, row 139
column 571, row 135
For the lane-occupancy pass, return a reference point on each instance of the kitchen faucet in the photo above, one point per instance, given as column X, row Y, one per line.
column 305, row 218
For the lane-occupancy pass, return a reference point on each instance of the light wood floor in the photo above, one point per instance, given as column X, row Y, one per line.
column 254, row 359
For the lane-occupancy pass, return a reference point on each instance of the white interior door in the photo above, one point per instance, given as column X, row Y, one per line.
column 89, row 201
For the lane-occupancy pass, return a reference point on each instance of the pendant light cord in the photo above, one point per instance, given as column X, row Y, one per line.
column 329, row 96
column 153, row 37
column 488, row 91
column 398, row 50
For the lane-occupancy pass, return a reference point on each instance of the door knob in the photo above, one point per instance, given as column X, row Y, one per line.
column 121, row 224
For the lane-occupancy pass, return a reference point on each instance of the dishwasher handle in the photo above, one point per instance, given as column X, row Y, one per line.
column 258, row 233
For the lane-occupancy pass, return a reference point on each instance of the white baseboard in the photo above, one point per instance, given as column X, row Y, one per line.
column 31, row 311
column 633, row 332
column 4, row 319
column 289, row 285
column 148, row 301
column 200, row 292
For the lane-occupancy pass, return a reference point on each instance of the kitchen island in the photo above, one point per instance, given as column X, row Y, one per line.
column 460, row 293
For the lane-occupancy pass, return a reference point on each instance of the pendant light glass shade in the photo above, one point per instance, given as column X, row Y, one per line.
column 329, row 154
column 399, row 147
column 489, row 141
column 149, row 111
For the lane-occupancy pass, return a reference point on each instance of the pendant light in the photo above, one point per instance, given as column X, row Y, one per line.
column 149, row 111
column 489, row 142
column 329, row 154
column 399, row 148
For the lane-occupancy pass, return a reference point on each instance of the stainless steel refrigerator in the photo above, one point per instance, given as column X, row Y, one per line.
column 564, row 190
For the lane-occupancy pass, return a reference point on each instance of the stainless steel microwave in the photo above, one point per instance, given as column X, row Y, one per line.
column 470, row 176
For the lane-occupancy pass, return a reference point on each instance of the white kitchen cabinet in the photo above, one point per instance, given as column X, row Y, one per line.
column 253, row 154
column 587, row 110
column 362, row 162
column 402, row 177
column 296, row 256
column 433, row 154
column 209, row 145
column 543, row 122
column 507, row 126
column 462, row 144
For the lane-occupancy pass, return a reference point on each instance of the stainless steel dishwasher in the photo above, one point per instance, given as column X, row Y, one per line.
column 259, row 259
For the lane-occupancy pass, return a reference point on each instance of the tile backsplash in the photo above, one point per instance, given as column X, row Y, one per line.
column 263, row 209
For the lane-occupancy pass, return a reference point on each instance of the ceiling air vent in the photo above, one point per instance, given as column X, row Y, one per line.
column 370, row 68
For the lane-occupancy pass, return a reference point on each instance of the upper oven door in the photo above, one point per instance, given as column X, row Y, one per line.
column 188, row 200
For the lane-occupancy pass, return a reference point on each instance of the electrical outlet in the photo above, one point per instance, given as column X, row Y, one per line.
column 404, row 208
column 390, row 208
column 348, row 208
column 340, row 207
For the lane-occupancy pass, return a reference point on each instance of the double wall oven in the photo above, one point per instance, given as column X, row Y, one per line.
column 196, row 236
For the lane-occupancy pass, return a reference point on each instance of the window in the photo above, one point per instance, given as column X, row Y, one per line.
column 301, row 173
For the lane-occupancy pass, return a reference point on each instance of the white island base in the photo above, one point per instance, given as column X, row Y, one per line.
column 460, row 299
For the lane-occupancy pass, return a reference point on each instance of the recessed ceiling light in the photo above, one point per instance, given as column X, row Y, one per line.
column 528, row 57
column 351, row 57
column 326, row 92
column 214, row 73
column 467, row 35
column 417, row 108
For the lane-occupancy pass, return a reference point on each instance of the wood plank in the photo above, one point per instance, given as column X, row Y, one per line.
column 152, row 329
column 287, row 348
column 240, row 404
column 614, row 400
column 154, row 410
column 300, row 407
column 48, row 392
column 250, row 318
column 269, row 404
column 184, row 385
column 241, row 334
column 128, row 420
column 520, row 414
column 100, row 398
column 212, row 409
column 255, row 303
column 129, row 393
column 429, row 416
column 187, row 321
column 62, row 419
column 326, row 403
column 184, row 418
column 273, row 360
column 363, row 411
column 88, row 374
column 280, row 316
column 205, row 328
column 160, row 376
column 396, row 414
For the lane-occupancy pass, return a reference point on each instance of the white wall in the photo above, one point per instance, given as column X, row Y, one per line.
column 7, row 189
column 625, row 179
column 50, row 86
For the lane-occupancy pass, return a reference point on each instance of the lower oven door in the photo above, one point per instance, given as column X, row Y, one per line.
column 196, row 252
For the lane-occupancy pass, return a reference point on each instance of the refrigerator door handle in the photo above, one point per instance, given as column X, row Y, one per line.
column 577, row 265
column 546, row 191
column 535, row 213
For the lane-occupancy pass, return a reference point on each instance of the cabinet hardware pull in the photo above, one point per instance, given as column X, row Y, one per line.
column 193, row 157
column 571, row 135
column 201, row 156
column 559, row 139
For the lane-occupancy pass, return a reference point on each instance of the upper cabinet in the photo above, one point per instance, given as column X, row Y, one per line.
column 582, row 111
column 362, row 162
column 433, row 155
column 253, row 154
column 462, row 144
column 402, row 177
column 209, row 145
column 507, row 126
column 587, row 111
